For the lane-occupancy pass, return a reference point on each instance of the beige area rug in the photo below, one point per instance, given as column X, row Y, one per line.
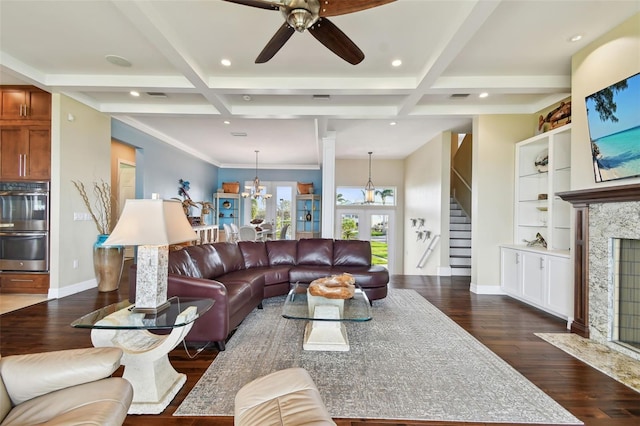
column 410, row 362
column 614, row 364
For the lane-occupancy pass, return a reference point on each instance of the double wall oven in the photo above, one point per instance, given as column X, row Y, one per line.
column 24, row 226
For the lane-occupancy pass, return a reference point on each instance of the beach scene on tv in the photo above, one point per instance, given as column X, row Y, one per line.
column 613, row 115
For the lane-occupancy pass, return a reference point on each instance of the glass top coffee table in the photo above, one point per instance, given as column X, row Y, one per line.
column 325, row 330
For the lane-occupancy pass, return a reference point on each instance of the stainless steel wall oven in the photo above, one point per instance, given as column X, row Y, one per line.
column 24, row 226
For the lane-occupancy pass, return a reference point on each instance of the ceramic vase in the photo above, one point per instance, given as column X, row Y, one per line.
column 107, row 264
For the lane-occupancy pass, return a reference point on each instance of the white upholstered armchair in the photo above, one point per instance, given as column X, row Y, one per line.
column 71, row 387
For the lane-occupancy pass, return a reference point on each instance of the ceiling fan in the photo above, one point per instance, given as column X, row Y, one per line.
column 301, row 15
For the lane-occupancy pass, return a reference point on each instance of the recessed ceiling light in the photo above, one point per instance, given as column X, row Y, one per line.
column 118, row 60
column 134, row 93
column 483, row 95
column 226, row 122
column 246, row 97
column 393, row 123
column 226, row 62
column 575, row 38
column 396, row 63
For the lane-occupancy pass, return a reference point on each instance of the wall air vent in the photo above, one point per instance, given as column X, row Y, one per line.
column 239, row 134
column 322, row 97
column 459, row 95
column 157, row 94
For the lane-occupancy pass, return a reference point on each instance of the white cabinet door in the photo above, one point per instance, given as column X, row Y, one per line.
column 559, row 291
column 539, row 279
column 510, row 280
column 533, row 276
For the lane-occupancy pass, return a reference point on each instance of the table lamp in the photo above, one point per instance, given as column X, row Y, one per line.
column 151, row 225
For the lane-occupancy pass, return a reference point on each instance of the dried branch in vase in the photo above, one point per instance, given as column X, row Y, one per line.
column 100, row 209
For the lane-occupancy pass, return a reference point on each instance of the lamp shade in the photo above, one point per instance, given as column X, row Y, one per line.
column 151, row 222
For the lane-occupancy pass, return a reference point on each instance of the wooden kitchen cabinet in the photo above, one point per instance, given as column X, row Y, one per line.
column 25, row 153
column 24, row 103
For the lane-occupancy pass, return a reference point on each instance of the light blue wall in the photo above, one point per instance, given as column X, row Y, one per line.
column 159, row 166
column 267, row 175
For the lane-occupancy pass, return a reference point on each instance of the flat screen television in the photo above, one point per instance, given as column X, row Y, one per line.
column 613, row 117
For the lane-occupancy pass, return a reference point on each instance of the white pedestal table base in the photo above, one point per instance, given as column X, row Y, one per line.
column 326, row 335
column 146, row 365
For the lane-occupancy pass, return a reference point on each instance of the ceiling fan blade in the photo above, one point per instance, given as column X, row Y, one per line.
column 274, row 5
column 342, row 7
column 278, row 40
column 335, row 40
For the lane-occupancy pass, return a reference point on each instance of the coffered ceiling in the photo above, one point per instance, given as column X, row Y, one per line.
column 517, row 51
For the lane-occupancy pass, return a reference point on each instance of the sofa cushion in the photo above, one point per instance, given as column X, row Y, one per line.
column 366, row 276
column 316, row 252
column 306, row 274
column 181, row 263
column 282, row 252
column 351, row 253
column 230, row 255
column 254, row 254
column 207, row 260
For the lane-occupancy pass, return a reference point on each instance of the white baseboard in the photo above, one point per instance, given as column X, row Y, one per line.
column 486, row 289
column 443, row 271
column 57, row 293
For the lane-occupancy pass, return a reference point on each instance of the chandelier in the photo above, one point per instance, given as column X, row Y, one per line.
column 255, row 191
column 369, row 189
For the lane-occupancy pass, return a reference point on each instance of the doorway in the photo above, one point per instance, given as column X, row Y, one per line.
column 277, row 210
column 126, row 190
column 371, row 225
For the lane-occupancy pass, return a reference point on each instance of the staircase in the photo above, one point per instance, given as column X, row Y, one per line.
column 459, row 240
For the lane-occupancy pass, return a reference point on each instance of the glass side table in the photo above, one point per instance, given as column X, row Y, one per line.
column 145, row 355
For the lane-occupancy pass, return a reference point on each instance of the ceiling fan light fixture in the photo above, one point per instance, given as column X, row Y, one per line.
column 301, row 19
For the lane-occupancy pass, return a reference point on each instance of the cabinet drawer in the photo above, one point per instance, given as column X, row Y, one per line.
column 24, row 283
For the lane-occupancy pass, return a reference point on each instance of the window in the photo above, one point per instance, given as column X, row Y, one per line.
column 352, row 195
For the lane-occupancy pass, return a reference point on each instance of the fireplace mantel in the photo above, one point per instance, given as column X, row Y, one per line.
column 581, row 199
column 608, row 194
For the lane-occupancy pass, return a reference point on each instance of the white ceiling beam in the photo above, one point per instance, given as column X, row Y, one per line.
column 441, row 59
column 280, row 111
column 316, row 84
column 502, row 83
column 163, row 36
column 109, row 83
column 175, row 109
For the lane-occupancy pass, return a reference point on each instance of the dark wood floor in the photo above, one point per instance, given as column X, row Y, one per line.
column 504, row 325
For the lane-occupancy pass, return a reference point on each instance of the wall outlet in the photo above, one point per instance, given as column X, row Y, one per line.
column 75, row 263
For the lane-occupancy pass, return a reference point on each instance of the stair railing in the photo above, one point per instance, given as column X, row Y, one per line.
column 427, row 252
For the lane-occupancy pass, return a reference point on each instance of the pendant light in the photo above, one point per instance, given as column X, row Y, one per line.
column 255, row 191
column 369, row 189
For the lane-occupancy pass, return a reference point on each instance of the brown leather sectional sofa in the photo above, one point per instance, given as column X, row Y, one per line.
column 239, row 276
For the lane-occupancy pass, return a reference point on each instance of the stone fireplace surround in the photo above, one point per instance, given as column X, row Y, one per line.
column 601, row 214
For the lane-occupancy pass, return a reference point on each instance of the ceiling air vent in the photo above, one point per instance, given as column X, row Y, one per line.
column 459, row 95
column 239, row 134
column 157, row 94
